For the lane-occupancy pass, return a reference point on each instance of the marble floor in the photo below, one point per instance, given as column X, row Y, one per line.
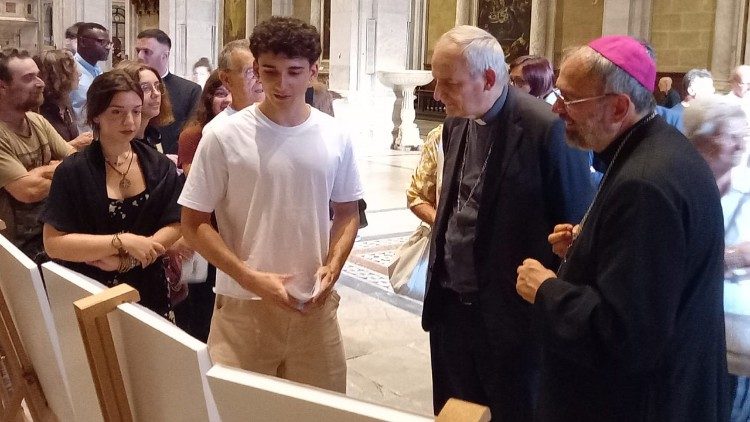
column 386, row 349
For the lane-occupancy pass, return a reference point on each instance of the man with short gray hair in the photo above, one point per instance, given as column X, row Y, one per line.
column 632, row 323
column 236, row 74
column 509, row 178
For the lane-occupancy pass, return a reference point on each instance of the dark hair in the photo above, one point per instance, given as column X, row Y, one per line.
column 518, row 61
column 72, row 31
column 288, row 36
column 87, row 27
column 538, row 74
column 226, row 53
column 203, row 61
column 104, row 88
column 57, row 70
column 133, row 69
column 204, row 113
column 160, row 36
column 6, row 55
column 694, row 74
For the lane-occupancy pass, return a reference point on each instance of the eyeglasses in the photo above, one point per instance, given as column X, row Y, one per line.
column 148, row 88
column 517, row 81
column 101, row 41
column 567, row 103
column 248, row 73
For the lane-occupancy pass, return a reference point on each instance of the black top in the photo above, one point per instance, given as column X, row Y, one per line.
column 78, row 203
column 184, row 96
column 61, row 119
column 460, row 234
column 633, row 328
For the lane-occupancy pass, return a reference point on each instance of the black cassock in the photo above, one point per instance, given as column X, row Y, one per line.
column 633, row 328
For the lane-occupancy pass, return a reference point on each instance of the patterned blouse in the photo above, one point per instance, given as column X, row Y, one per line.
column 425, row 181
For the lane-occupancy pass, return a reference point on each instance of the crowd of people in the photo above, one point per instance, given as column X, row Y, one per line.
column 575, row 265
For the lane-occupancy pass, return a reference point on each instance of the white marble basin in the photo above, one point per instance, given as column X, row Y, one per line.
column 405, row 77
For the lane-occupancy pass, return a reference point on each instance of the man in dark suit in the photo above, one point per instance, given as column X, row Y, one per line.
column 509, row 178
column 632, row 324
column 152, row 47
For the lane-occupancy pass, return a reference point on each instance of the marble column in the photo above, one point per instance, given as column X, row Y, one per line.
column 631, row 17
column 368, row 36
column 728, row 40
column 542, row 32
column 194, row 32
column 465, row 12
column 282, row 7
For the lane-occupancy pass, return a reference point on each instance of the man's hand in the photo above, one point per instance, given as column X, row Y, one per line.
column 270, row 286
column 328, row 277
column 562, row 237
column 81, row 140
column 531, row 275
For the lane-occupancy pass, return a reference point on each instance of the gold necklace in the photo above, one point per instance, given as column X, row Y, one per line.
column 124, row 181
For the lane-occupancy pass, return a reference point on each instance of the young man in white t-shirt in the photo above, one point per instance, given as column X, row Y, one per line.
column 269, row 174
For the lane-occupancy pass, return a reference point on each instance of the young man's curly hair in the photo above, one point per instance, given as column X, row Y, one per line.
column 288, row 36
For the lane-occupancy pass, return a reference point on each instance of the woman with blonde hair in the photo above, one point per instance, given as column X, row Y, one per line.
column 60, row 75
column 157, row 109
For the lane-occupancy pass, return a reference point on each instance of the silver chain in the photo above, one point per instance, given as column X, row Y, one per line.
column 604, row 179
column 459, row 208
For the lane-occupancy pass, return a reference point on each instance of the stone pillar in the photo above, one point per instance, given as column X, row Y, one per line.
column 728, row 40
column 282, row 8
column 194, row 33
column 631, row 17
column 542, row 30
column 316, row 15
column 465, row 12
column 251, row 16
column 367, row 36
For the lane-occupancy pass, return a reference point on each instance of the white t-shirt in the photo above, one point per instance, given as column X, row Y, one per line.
column 736, row 206
column 223, row 114
column 270, row 186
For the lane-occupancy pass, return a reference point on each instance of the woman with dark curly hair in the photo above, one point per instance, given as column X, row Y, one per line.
column 112, row 208
column 157, row 109
column 60, row 75
column 214, row 99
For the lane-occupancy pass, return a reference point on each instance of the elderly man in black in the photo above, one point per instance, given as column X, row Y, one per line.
column 632, row 324
column 508, row 178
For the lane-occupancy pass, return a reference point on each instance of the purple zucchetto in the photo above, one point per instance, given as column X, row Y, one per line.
column 629, row 55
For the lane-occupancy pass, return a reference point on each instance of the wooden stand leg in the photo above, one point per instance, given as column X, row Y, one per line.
column 18, row 379
column 100, row 349
column 463, row 411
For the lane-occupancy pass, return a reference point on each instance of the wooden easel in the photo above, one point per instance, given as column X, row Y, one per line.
column 18, row 381
column 100, row 349
column 456, row 410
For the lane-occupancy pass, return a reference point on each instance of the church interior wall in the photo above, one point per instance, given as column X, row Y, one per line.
column 441, row 16
column 682, row 34
column 576, row 23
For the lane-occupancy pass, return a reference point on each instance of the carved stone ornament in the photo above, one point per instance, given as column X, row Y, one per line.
column 146, row 7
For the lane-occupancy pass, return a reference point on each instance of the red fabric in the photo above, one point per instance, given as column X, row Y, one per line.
column 188, row 144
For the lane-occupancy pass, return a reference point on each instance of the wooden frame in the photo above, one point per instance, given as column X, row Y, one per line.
column 22, row 383
column 100, row 349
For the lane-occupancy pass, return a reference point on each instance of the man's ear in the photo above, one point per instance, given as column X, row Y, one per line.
column 621, row 107
column 490, row 79
column 314, row 68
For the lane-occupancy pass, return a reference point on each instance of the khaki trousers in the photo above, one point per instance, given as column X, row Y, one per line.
column 263, row 337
